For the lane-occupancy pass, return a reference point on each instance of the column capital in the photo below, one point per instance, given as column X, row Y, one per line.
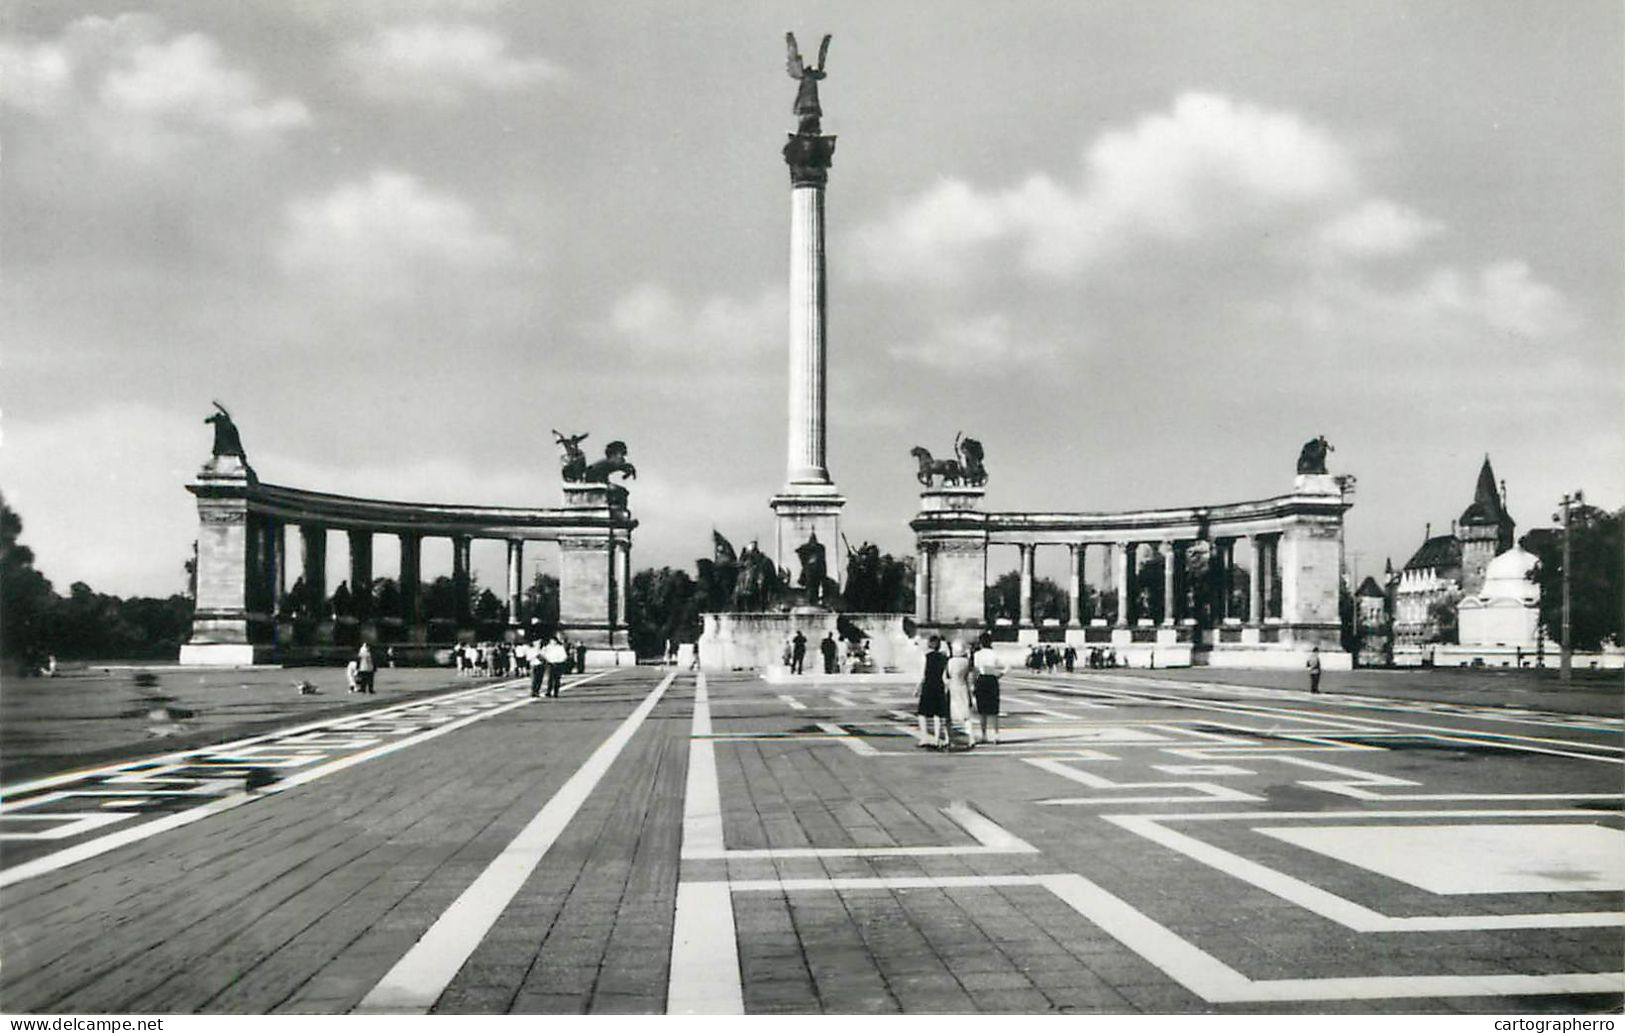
column 809, row 158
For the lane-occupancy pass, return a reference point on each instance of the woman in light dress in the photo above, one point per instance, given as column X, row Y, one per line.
column 959, row 698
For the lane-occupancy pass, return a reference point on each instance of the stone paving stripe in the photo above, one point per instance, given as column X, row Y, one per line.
column 704, row 953
column 1329, row 905
column 124, row 837
column 13, row 791
column 792, row 702
column 848, row 740
column 1442, row 734
column 702, row 798
column 703, row 933
column 418, row 979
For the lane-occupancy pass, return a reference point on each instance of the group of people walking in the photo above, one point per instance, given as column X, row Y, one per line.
column 959, row 685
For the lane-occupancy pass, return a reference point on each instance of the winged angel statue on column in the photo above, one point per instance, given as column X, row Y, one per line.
column 807, row 110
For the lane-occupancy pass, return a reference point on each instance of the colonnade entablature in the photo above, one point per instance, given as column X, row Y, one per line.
column 246, row 611
column 1246, row 582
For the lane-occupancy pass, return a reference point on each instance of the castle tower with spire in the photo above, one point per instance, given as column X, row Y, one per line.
column 1485, row 530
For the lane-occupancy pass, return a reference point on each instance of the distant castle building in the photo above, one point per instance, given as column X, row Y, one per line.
column 1450, row 566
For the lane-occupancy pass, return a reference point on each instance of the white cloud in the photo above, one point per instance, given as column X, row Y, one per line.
column 959, row 344
column 655, row 320
column 1207, row 165
column 1377, row 228
column 382, row 235
column 140, row 92
column 441, row 63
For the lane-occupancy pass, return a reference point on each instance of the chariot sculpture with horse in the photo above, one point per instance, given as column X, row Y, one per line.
column 967, row 469
column 614, row 461
column 573, row 461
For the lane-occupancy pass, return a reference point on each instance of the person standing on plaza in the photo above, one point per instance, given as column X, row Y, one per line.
column 365, row 669
column 960, row 709
column 538, row 668
column 933, row 705
column 988, row 668
column 350, row 676
column 829, row 650
column 1314, row 671
column 1070, row 657
column 554, row 658
column 798, row 652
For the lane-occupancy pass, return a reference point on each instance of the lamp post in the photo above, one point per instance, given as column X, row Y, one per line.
column 1566, row 663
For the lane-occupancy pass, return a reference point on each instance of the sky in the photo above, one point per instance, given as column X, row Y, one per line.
column 1142, row 250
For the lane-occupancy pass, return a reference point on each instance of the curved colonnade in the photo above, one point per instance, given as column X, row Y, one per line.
column 1292, row 546
column 242, row 617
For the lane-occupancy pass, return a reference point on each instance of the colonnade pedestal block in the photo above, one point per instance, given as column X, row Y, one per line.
column 951, row 563
column 225, row 629
column 593, row 572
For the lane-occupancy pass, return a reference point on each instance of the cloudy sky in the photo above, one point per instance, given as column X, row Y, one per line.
column 1143, row 250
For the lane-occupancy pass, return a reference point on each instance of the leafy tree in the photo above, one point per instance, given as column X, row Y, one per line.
column 1595, row 589
column 488, row 609
column 386, row 597
column 25, row 593
column 542, row 603
column 1442, row 618
column 1003, row 598
column 662, row 605
column 440, row 598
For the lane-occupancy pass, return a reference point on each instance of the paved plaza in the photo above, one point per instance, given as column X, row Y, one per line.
column 664, row 841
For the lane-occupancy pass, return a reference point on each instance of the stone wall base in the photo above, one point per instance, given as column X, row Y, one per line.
column 755, row 641
column 1280, row 658
column 224, row 654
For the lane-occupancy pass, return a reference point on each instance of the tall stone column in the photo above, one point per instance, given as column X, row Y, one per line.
column 1027, row 555
column 623, row 581
column 1267, row 546
column 1120, row 564
column 411, row 578
column 809, row 503
column 313, row 556
column 1074, row 584
column 1255, row 607
column 1166, row 550
column 279, row 562
column 361, row 573
column 462, row 548
column 516, row 579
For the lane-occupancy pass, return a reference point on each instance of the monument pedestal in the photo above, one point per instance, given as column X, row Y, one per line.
column 797, row 516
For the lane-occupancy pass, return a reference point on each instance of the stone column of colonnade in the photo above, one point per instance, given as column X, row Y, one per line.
column 412, row 584
column 361, row 573
column 1167, row 551
column 1253, row 601
column 1028, row 555
column 1122, row 560
column 1076, row 554
column 313, row 563
column 623, row 581
column 516, row 578
column 462, row 548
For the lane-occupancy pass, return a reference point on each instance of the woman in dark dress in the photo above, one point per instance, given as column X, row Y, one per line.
column 933, row 707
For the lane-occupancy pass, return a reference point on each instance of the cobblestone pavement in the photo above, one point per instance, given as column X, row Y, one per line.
column 658, row 841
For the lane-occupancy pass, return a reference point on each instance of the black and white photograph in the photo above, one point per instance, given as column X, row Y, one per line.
column 1101, row 508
